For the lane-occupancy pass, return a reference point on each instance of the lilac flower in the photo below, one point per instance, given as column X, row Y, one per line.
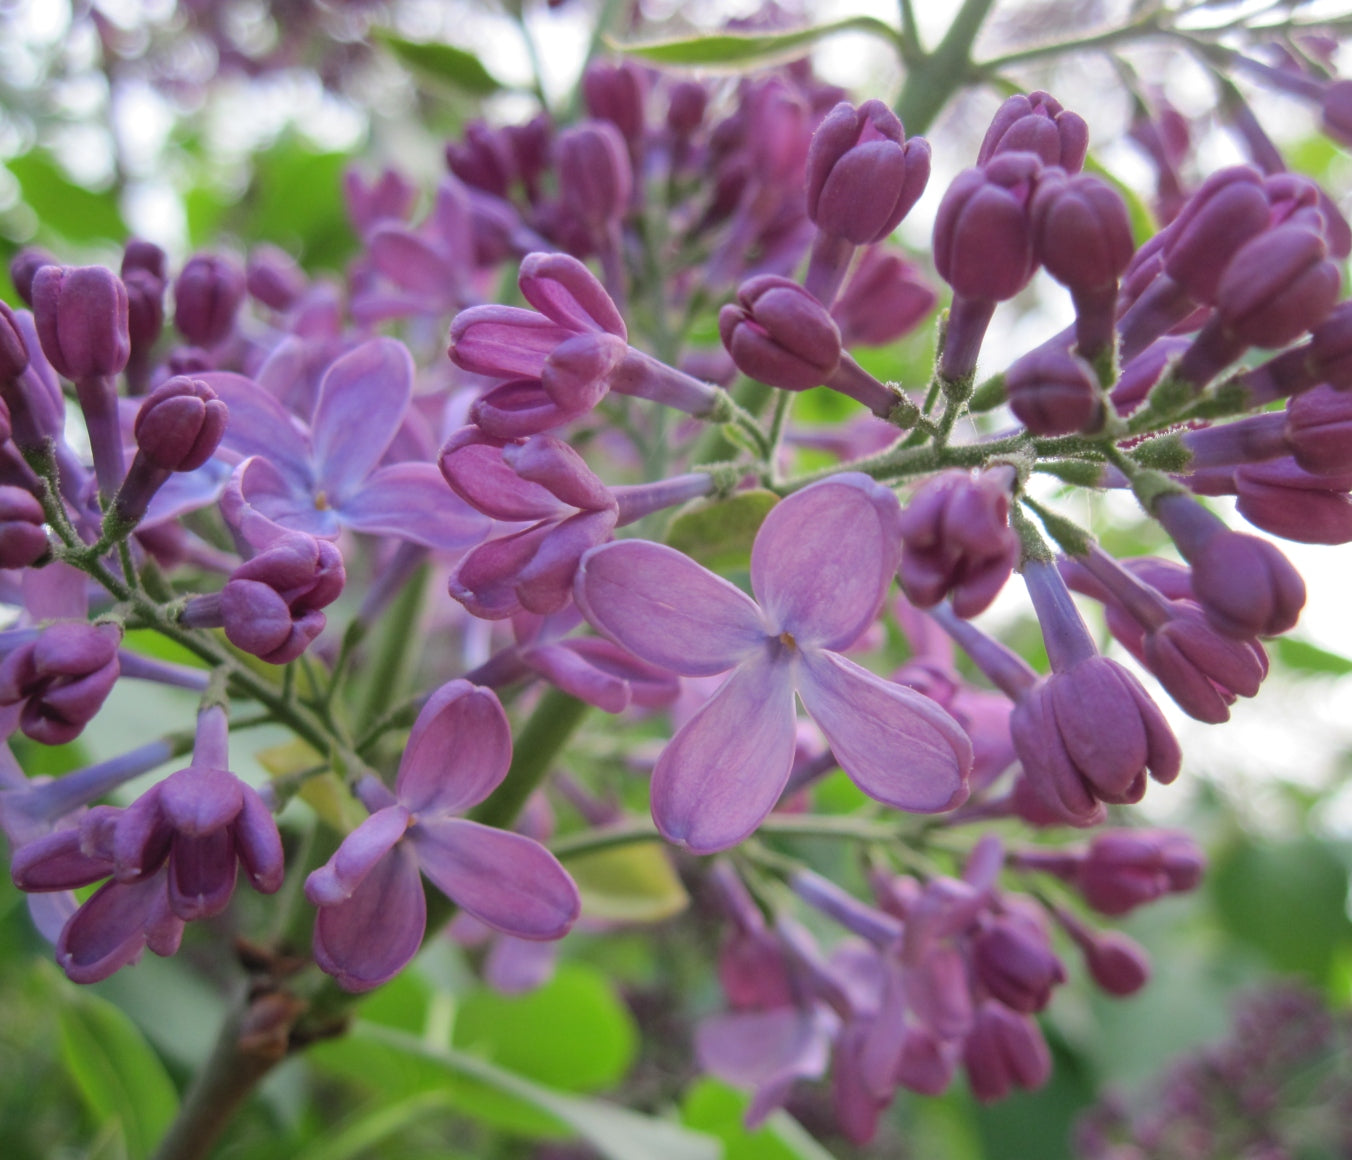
column 372, row 912
column 207, row 295
column 884, row 298
column 1053, row 391
column 61, row 678
column 1005, row 1050
column 1037, row 123
column 331, row 477
column 724, row 769
column 200, row 824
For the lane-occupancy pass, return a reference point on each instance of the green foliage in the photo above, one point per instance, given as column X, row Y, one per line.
column 443, row 64
column 118, row 1075
column 715, row 1108
column 743, row 50
column 1302, row 657
column 634, row 883
column 718, row 533
column 71, row 212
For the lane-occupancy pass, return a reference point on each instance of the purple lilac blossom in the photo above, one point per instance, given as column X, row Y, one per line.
column 723, row 771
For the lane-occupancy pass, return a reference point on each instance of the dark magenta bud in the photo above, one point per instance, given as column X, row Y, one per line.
column 145, row 309
column 1335, row 113
column 81, row 318
column 1054, row 392
column 390, row 195
column 1277, row 287
column 780, row 334
column 23, row 540
column 685, row 107
column 1124, row 869
column 1318, row 430
column 1014, row 961
column 1228, row 209
column 885, row 298
column 617, row 93
column 1330, row 354
column 1247, row 587
column 1285, row 501
column 1118, row 964
column 147, row 257
column 207, row 294
column 484, row 159
column 956, row 540
column 1037, row 123
column 61, row 679
column 270, row 605
column 23, row 268
column 983, row 243
column 180, row 424
column 1004, row 1051
column 863, row 176
column 274, row 278
column 595, row 176
column 13, row 348
column 1081, row 231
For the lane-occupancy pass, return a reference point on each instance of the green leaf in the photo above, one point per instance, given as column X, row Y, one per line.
column 1287, row 899
column 116, row 1072
column 444, row 63
column 716, row 1108
column 1143, row 224
column 718, row 533
column 615, row 1132
column 573, row 1033
column 75, row 213
column 736, row 50
column 295, row 200
column 358, row 1133
column 635, row 883
column 1304, row 657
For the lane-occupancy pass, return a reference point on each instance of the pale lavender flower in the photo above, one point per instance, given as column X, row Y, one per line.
column 818, row 592
column 372, row 911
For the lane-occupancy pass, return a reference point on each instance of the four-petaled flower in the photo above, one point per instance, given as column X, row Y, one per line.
column 817, row 591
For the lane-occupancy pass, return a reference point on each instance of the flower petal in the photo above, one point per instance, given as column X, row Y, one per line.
column 665, row 608
column 109, row 930
column 824, row 557
column 361, row 850
column 506, row 880
column 724, row 770
column 259, row 425
column 897, row 745
column 457, row 753
column 412, row 501
column 262, row 504
column 362, row 400
column 369, row 938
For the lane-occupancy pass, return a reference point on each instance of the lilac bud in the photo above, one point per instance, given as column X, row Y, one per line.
column 1247, row 587
column 484, row 160
column 780, row 334
column 14, row 357
column 274, row 278
column 180, row 425
column 1037, row 123
column 1081, row 231
column 1200, row 668
column 595, row 176
column 145, row 309
column 983, row 245
column 61, row 679
column 1330, row 354
column 1116, row 963
column 1124, row 869
column 23, row 268
column 1335, row 114
column 23, row 540
column 1283, row 500
column 685, row 108
column 1318, row 430
column 138, row 254
column 616, row 93
column 863, row 176
column 81, row 316
column 207, row 294
column 369, row 203
column 270, row 605
column 1004, row 1051
column 885, row 298
column 956, row 539
column 1014, row 961
column 1228, row 210
column 1054, row 392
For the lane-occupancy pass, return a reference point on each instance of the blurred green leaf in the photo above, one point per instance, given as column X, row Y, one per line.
column 616, row 1133
column 295, row 200
column 1143, row 225
column 443, row 63
column 1287, row 899
column 635, row 883
column 573, row 1033
column 716, row 1108
column 758, row 49
column 1304, row 657
column 75, row 213
column 369, row 1127
column 718, row 533
column 117, row 1074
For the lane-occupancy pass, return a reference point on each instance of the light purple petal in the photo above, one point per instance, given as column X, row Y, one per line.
column 412, row 501
column 362, row 400
column 259, row 844
column 666, row 609
column 485, row 580
column 477, row 471
column 766, row 1050
column 339, row 878
column 186, row 491
column 824, row 557
column 370, row 938
column 563, row 667
column 263, row 504
column 897, row 745
column 202, row 873
column 457, row 753
column 515, row 966
column 109, row 930
column 259, row 425
column 409, row 262
column 554, row 465
column 504, row 341
column 506, row 880
column 545, row 583
column 726, row 767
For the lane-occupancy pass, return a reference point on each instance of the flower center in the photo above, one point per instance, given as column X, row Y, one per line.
column 786, row 639
column 321, row 501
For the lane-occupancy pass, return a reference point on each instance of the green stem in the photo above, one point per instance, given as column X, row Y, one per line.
column 1146, row 25
column 933, row 79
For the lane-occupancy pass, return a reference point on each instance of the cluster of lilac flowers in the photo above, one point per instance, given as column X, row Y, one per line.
column 288, row 435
